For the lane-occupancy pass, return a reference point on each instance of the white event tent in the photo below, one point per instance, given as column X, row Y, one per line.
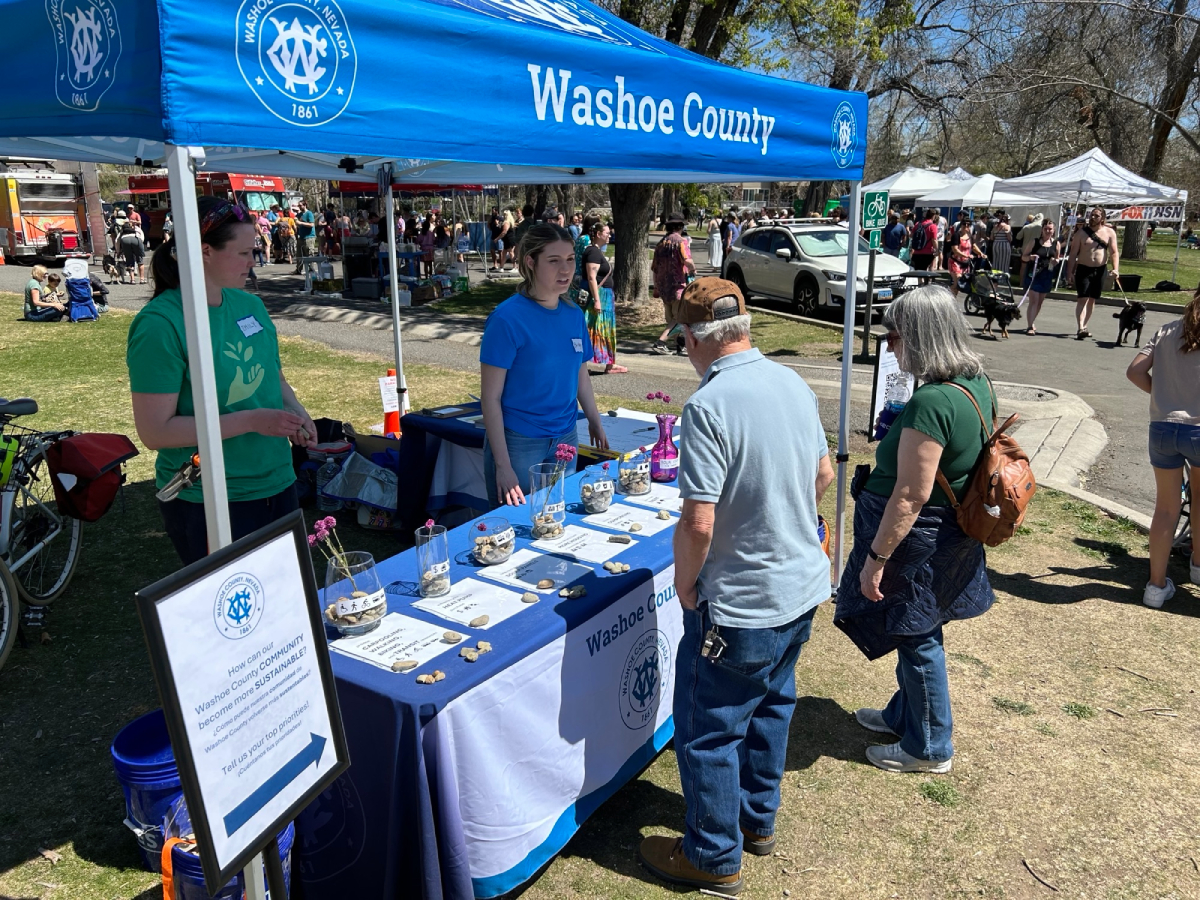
column 911, row 182
column 977, row 192
column 1094, row 179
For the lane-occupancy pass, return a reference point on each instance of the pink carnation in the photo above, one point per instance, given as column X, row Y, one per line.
column 329, row 522
column 666, row 398
column 312, row 540
column 429, row 523
column 658, row 395
column 649, row 396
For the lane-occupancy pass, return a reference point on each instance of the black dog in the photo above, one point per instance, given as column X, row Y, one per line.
column 1133, row 318
column 999, row 311
column 111, row 269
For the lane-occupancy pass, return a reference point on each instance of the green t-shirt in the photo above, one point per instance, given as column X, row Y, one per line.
column 947, row 416
column 33, row 285
column 246, row 354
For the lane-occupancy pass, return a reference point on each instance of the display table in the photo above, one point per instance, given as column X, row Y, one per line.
column 466, row 787
column 454, row 450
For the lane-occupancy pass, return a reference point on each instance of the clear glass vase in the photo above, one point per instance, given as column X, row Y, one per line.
column 633, row 475
column 433, row 560
column 547, row 506
column 596, row 490
column 664, row 456
column 494, row 540
column 355, row 600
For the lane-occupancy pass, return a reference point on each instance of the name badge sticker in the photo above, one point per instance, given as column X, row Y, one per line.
column 250, row 326
column 577, row 343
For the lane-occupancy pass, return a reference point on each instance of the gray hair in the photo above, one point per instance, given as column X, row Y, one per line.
column 933, row 335
column 723, row 331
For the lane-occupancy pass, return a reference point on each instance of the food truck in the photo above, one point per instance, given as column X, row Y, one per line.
column 42, row 213
column 150, row 194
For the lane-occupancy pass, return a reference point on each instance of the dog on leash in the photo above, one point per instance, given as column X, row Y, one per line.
column 1001, row 312
column 111, row 270
column 1132, row 318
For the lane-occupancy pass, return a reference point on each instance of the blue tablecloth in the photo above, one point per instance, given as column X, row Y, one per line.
column 465, row 788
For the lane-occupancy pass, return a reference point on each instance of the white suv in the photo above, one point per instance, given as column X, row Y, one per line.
column 805, row 264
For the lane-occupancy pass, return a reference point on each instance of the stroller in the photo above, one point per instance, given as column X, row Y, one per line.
column 80, row 306
column 989, row 293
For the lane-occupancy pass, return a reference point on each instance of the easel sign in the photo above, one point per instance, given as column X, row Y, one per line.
column 889, row 383
column 241, row 663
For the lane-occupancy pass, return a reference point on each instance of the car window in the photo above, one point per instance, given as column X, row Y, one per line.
column 758, row 240
column 828, row 242
column 780, row 240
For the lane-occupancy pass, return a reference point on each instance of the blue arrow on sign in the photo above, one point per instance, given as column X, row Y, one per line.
column 269, row 789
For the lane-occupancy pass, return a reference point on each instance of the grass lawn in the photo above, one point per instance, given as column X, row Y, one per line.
column 773, row 335
column 1160, row 253
column 1076, row 708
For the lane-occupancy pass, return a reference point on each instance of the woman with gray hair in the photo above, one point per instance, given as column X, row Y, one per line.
column 912, row 569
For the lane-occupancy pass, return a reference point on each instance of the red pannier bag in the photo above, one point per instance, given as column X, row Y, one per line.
column 86, row 472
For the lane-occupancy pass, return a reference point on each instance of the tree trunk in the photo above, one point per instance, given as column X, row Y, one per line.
column 670, row 197
column 1134, row 244
column 814, row 200
column 631, row 206
column 541, row 200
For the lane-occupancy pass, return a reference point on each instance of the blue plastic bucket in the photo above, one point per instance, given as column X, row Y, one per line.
column 187, row 873
column 145, row 767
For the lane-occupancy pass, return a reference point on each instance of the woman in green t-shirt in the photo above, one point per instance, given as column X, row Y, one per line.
column 260, row 414
column 912, row 569
column 40, row 305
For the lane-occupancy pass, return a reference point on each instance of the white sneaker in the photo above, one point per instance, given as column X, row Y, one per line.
column 892, row 758
column 872, row 720
column 1155, row 597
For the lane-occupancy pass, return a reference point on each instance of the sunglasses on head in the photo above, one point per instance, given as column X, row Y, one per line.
column 222, row 211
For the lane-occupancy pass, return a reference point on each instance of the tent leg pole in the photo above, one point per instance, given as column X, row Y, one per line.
column 202, row 371
column 1178, row 242
column 389, row 205
column 843, row 448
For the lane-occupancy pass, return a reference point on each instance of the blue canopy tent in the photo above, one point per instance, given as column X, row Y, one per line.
column 561, row 92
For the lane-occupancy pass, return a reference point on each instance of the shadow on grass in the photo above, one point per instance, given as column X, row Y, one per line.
column 1119, row 580
column 821, row 727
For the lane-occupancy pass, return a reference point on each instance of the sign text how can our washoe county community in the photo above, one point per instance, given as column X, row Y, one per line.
column 615, row 107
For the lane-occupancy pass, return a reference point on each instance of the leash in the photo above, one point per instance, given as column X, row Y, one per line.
column 1032, row 275
column 1117, row 282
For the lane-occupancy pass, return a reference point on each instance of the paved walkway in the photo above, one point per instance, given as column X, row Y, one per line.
column 1087, row 431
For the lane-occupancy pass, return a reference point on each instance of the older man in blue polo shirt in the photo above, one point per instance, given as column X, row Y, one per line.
column 749, row 573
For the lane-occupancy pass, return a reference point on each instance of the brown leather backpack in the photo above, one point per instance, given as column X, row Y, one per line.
column 1000, row 485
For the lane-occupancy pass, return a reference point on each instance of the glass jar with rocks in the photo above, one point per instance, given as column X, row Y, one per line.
column 433, row 560
column 547, row 507
column 356, row 599
column 633, row 475
column 596, row 489
column 494, row 540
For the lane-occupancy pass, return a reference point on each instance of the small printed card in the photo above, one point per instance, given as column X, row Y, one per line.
column 526, row 568
column 584, row 544
column 397, row 637
column 661, row 496
column 470, row 599
column 620, row 517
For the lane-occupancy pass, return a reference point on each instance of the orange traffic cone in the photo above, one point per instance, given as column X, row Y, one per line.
column 391, row 420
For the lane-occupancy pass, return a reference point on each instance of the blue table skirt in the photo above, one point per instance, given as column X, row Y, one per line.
column 393, row 825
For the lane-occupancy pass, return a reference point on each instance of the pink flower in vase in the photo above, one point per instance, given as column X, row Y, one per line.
column 429, row 523
column 312, row 540
column 565, row 453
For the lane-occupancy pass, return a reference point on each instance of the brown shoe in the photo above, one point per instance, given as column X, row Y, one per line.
column 757, row 844
column 663, row 856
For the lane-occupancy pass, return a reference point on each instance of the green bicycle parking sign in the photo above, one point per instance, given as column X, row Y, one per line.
column 875, row 207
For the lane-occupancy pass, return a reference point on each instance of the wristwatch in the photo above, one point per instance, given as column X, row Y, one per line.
column 877, row 557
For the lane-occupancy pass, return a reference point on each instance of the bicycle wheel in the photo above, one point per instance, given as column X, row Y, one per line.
column 37, row 528
column 10, row 611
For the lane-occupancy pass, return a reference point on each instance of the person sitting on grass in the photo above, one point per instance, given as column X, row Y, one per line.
column 40, row 304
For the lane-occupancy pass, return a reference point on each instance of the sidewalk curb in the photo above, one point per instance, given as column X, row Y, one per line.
column 1110, row 508
column 805, row 320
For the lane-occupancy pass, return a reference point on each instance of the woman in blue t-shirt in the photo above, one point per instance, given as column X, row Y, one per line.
column 533, row 368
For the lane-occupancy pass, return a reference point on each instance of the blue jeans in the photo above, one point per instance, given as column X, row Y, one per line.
column 44, row 314
column 523, row 452
column 731, row 733
column 1173, row 442
column 919, row 711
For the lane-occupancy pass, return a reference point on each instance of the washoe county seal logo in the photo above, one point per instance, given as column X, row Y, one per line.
column 644, row 678
column 87, row 44
column 845, row 135
column 239, row 606
column 298, row 58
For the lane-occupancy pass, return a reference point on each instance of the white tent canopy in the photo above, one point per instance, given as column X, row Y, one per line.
column 911, row 182
column 979, row 191
column 1092, row 178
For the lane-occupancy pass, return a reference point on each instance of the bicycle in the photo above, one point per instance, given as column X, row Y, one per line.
column 39, row 549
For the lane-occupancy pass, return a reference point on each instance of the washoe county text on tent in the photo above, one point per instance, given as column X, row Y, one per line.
column 595, row 107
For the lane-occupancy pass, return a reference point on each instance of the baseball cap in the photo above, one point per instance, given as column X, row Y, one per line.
column 695, row 304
